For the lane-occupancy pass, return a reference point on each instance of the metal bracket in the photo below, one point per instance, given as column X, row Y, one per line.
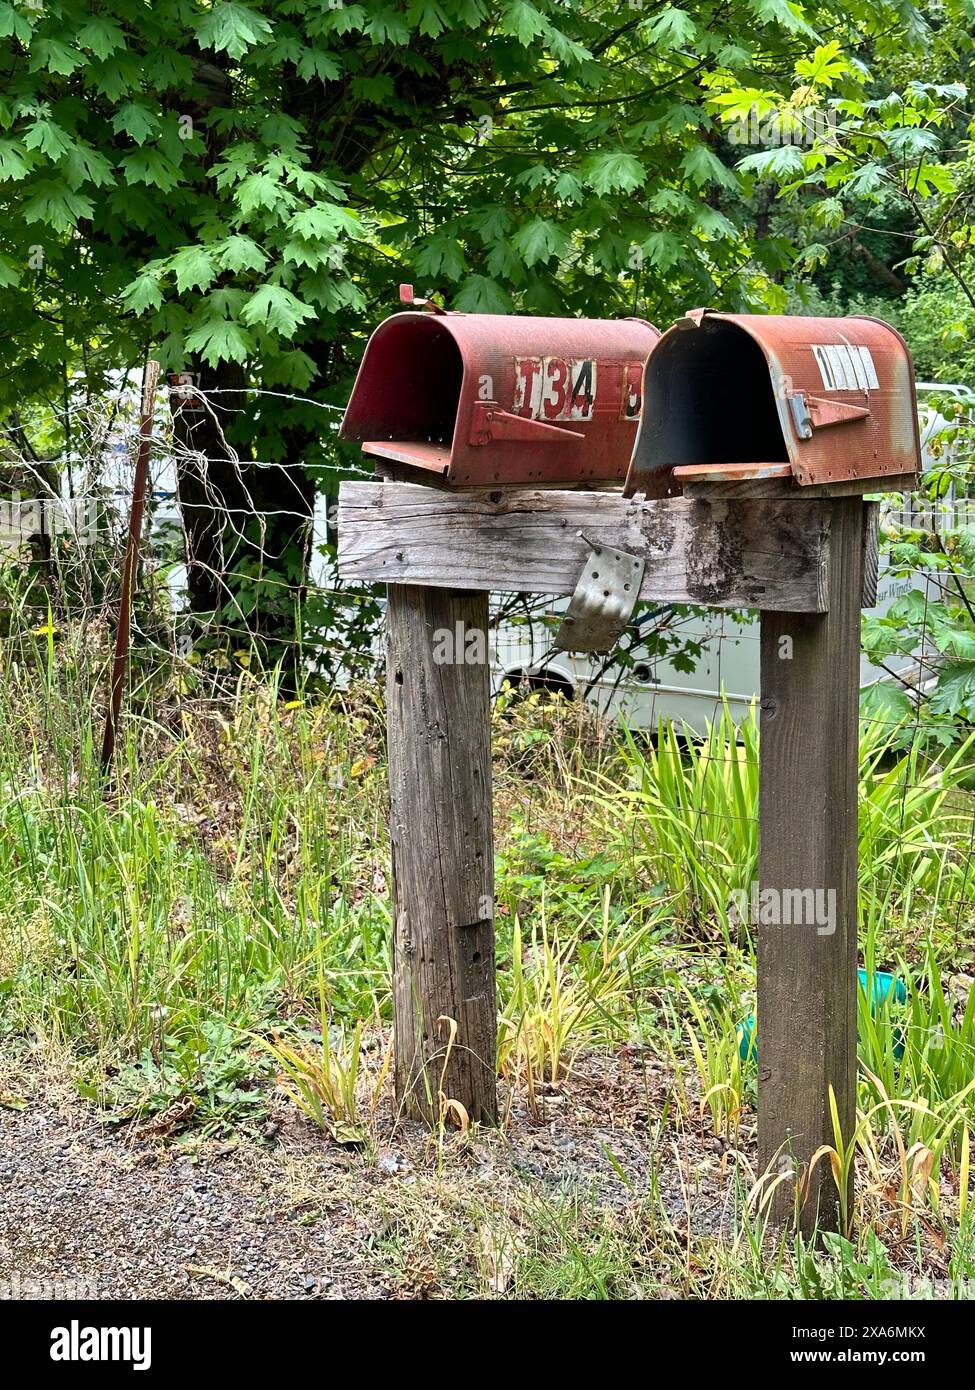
column 490, row 423
column 603, row 600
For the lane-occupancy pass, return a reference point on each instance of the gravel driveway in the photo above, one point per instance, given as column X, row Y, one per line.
column 94, row 1209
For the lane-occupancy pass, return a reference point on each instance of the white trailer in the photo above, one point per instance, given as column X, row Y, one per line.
column 727, row 667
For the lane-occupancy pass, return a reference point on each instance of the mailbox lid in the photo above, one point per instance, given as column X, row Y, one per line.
column 825, row 399
column 484, row 398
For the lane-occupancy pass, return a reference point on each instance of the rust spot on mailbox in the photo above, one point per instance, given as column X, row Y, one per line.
column 739, row 396
column 480, row 399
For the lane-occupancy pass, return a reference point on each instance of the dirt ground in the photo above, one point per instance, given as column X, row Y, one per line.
column 96, row 1209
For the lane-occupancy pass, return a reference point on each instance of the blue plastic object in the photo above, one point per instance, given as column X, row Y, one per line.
column 885, row 987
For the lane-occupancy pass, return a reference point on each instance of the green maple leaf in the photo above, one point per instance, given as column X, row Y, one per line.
column 539, row 240
column 826, row 64
column 12, row 163
column 220, row 340
column 785, row 162
column 428, row 17
column 523, row 21
column 386, row 26
column 442, row 255
column 314, row 63
column 193, row 268
column 261, row 191
column 143, row 293
column 51, row 55
column 955, row 691
column 14, row 25
column 152, row 168
column 232, row 28
column 48, row 137
column 276, row 308
column 614, row 170
column 663, row 249
column 672, row 28
column 787, row 15
column 102, row 36
column 569, row 188
column 136, row 121
column 702, row 166
column 82, row 164
column 481, row 295
column 239, row 252
column 322, row 222
column 57, row 205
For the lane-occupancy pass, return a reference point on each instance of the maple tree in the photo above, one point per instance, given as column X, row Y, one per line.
column 239, row 187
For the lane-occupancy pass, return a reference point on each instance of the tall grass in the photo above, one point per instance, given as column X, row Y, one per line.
column 689, row 809
column 566, row 992
column 230, row 881
column 232, row 844
column 685, row 815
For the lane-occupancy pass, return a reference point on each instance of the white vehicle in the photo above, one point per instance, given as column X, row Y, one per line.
column 727, row 668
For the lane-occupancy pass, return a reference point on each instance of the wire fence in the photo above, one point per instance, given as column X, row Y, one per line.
column 277, row 598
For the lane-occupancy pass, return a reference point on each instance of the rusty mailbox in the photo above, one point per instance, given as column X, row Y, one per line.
column 479, row 399
column 735, row 397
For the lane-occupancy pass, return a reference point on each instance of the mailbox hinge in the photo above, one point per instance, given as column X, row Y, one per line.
column 693, row 318
column 603, row 600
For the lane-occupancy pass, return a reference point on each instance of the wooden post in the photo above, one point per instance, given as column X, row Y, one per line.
column 807, row 980
column 804, row 562
column 140, row 484
column 438, row 713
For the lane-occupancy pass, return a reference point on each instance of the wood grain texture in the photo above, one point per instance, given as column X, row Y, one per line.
column 806, row 1016
column 777, row 487
column 871, row 553
column 438, row 722
column 766, row 554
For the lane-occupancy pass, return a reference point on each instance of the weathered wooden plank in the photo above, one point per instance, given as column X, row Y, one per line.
column 810, row 669
column 787, row 489
column 871, row 553
column 439, row 742
column 768, row 554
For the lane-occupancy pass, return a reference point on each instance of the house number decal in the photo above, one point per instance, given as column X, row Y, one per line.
column 845, row 367
column 555, row 388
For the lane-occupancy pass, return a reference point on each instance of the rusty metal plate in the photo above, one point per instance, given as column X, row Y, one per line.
column 732, row 472
column 828, row 400
column 603, row 600
column 481, row 399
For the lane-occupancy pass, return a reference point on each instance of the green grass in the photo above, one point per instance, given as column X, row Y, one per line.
column 216, row 914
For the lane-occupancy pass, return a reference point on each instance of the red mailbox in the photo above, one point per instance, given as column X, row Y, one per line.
column 479, row 399
column 731, row 397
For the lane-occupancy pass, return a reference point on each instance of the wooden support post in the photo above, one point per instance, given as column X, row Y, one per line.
column 807, row 982
column 808, row 565
column 438, row 712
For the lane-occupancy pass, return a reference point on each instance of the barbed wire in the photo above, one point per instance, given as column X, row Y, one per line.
column 82, row 559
